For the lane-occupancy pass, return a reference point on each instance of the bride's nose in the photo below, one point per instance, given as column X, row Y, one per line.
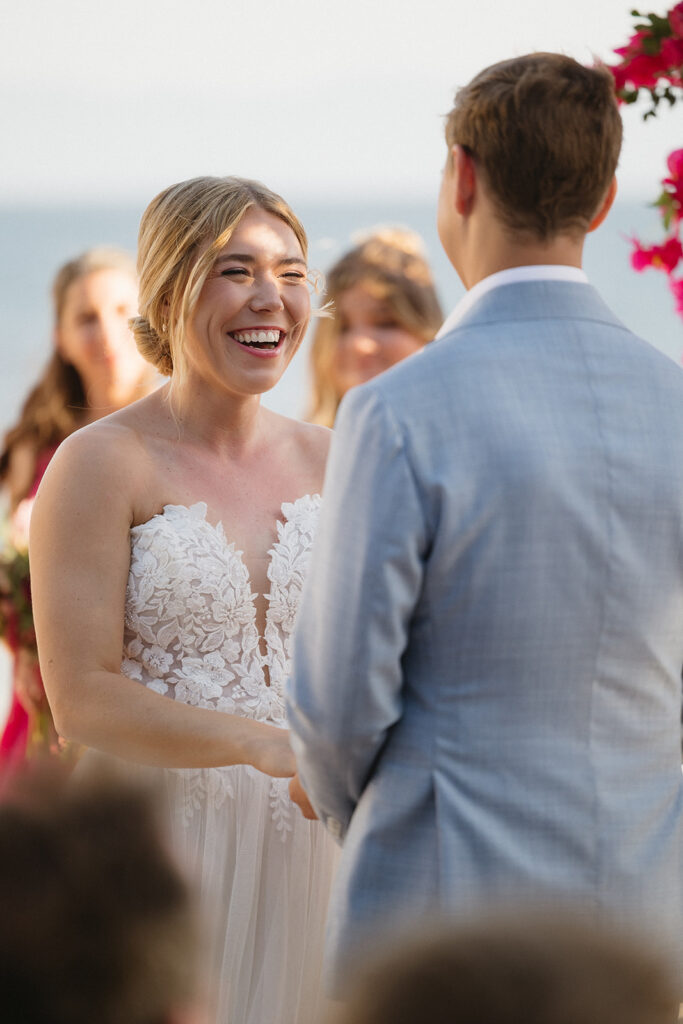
column 266, row 295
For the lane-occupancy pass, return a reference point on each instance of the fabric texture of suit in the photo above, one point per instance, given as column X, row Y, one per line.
column 486, row 697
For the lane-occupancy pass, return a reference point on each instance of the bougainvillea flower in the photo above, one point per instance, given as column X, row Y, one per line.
column 674, row 162
column 644, row 70
column 671, row 54
column 671, row 200
column 676, row 20
column 634, row 46
column 661, row 257
column 676, row 286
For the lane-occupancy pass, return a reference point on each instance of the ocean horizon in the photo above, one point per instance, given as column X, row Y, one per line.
column 35, row 240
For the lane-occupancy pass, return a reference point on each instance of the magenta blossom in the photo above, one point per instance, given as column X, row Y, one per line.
column 662, row 257
column 671, row 199
column 674, row 162
column 676, row 286
column 676, row 20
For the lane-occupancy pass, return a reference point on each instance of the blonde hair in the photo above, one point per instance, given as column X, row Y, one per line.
column 55, row 405
column 390, row 263
column 172, row 267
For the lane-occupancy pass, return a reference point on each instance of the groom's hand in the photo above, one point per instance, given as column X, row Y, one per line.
column 297, row 794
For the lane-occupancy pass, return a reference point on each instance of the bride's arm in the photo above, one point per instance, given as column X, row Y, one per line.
column 80, row 557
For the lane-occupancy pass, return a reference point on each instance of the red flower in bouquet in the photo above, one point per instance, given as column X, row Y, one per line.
column 662, row 257
column 16, row 611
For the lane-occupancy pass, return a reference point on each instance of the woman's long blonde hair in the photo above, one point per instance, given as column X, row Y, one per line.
column 391, row 263
column 55, row 405
column 181, row 232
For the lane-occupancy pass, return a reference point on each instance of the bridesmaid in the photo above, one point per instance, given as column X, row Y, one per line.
column 95, row 369
column 385, row 308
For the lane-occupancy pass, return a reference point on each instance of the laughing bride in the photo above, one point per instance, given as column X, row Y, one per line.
column 168, row 547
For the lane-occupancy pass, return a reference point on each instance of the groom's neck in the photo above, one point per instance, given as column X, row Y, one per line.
column 490, row 246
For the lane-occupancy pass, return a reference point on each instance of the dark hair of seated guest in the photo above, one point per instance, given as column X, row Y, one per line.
column 521, row 969
column 95, row 921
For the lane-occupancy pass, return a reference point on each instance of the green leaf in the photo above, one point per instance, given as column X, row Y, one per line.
column 629, row 95
column 660, row 25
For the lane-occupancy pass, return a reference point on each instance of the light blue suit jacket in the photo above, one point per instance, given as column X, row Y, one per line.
column 486, row 698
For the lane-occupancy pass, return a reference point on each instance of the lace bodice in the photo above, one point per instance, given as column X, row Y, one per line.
column 190, row 625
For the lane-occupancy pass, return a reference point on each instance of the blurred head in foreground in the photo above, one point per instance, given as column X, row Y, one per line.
column 521, row 969
column 95, row 922
column 385, row 308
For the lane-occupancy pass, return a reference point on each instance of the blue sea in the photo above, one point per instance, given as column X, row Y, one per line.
column 35, row 240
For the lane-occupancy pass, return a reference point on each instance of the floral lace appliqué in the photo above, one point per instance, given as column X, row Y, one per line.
column 190, row 625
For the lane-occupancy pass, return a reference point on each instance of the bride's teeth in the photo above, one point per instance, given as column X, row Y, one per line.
column 257, row 337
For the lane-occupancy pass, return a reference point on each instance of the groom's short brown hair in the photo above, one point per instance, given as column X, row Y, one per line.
column 545, row 132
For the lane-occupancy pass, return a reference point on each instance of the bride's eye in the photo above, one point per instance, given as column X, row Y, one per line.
column 234, row 271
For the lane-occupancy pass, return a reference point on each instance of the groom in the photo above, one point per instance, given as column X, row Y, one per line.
column 486, row 698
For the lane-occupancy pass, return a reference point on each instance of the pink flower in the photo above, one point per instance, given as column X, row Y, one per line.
column 634, row 45
column 642, row 71
column 661, row 257
column 676, row 20
column 674, row 162
column 671, row 54
column 671, row 199
column 676, row 287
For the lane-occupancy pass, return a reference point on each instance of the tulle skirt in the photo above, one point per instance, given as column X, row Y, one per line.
column 262, row 874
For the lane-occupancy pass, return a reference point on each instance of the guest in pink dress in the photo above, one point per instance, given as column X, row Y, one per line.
column 95, row 369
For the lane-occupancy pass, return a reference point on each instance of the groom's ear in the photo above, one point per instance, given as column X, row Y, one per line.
column 605, row 206
column 464, row 179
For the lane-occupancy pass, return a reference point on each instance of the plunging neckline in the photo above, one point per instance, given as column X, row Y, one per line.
column 270, row 644
column 199, row 509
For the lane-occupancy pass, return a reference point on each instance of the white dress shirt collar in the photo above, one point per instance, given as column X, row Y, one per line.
column 535, row 272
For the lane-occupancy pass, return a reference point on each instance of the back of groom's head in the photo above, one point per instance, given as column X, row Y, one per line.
column 545, row 133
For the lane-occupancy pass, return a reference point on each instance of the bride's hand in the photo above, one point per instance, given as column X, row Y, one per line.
column 299, row 796
column 273, row 754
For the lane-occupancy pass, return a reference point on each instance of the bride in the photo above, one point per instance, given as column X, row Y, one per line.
column 168, row 547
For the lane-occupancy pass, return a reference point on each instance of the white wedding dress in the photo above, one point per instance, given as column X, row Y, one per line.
column 262, row 871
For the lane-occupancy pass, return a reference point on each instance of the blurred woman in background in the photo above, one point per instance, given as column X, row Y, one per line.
column 385, row 307
column 95, row 369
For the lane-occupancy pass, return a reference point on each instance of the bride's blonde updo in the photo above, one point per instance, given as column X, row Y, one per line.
column 181, row 232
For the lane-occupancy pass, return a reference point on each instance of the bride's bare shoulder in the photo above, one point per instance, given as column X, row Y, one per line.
column 113, row 454
column 309, row 439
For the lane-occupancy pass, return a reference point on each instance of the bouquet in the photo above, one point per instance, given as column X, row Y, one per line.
column 16, row 611
column 17, row 630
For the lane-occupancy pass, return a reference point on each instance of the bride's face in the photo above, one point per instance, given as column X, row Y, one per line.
column 253, row 309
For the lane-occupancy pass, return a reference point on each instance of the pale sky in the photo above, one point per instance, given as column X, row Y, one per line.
column 112, row 102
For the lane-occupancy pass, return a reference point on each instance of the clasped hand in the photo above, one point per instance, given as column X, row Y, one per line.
column 298, row 796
